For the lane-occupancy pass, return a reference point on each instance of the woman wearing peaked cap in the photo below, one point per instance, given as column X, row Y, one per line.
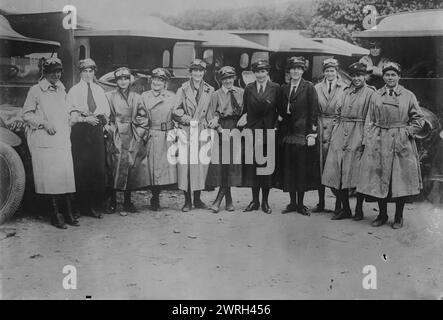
column 299, row 167
column 226, row 108
column 89, row 113
column 159, row 103
column 47, row 116
column 260, row 103
column 330, row 91
column 193, row 99
column 390, row 168
column 127, row 112
column 342, row 167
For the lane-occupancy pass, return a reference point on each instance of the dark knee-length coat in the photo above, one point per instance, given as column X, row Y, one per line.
column 262, row 112
column 298, row 166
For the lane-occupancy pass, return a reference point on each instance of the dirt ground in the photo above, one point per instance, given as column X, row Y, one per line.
column 230, row 255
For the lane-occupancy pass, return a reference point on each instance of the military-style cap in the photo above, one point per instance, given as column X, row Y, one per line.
column 394, row 66
column 161, row 73
column 374, row 43
column 87, row 63
column 51, row 65
column 358, row 68
column 260, row 65
column 226, row 72
column 197, row 64
column 294, row 62
column 330, row 62
column 122, row 72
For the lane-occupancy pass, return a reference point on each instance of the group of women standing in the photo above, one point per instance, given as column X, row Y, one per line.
column 330, row 134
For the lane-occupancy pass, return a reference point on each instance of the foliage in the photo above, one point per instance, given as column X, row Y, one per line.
column 340, row 18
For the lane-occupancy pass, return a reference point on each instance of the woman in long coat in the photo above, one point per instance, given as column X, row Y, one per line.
column 159, row 103
column 193, row 99
column 390, row 169
column 227, row 107
column 48, row 135
column 329, row 91
column 260, row 104
column 342, row 167
column 125, row 106
column 300, row 170
column 89, row 113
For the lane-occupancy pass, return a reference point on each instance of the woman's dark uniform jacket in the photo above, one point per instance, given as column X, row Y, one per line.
column 297, row 164
column 261, row 114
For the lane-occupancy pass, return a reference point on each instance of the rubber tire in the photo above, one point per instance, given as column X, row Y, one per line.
column 13, row 187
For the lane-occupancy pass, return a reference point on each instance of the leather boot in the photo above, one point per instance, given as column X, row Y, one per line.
column 112, row 203
column 398, row 220
column 198, row 203
column 188, row 204
column 155, row 200
column 56, row 217
column 215, row 208
column 229, row 205
column 382, row 217
column 70, row 219
column 127, row 204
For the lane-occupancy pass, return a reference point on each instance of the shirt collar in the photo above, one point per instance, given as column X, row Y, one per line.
column 261, row 84
column 296, row 84
column 397, row 90
column 83, row 82
column 226, row 90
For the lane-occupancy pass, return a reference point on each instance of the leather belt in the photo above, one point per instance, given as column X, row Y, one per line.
column 161, row 126
column 391, row 125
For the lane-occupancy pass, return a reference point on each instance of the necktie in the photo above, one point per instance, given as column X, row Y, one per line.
column 235, row 106
column 330, row 84
column 294, row 88
column 261, row 90
column 391, row 92
column 90, row 100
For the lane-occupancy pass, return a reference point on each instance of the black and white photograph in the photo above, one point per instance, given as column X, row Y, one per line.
column 237, row 150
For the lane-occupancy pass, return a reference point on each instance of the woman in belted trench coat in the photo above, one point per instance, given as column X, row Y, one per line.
column 329, row 91
column 342, row 167
column 193, row 99
column 126, row 115
column 159, row 103
column 299, row 166
column 390, row 168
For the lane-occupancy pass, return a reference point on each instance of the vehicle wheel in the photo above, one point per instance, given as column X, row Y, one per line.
column 12, row 181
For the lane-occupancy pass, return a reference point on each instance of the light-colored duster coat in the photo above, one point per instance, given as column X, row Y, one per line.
column 185, row 110
column 160, row 170
column 328, row 104
column 122, row 144
column 390, row 157
column 342, row 167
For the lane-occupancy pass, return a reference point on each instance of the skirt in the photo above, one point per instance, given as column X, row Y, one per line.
column 53, row 170
column 298, row 168
column 229, row 174
column 88, row 153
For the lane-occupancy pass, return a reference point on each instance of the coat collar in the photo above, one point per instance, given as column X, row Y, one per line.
column 154, row 100
column 45, row 85
column 397, row 91
column 300, row 88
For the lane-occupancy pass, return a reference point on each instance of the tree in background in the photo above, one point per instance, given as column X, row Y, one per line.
column 292, row 15
column 340, row 18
